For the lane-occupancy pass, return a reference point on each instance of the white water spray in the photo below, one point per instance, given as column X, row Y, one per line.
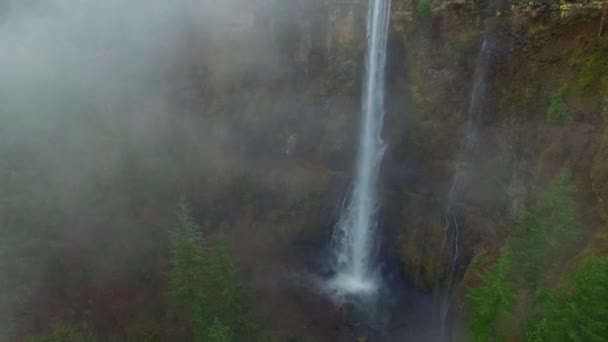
column 353, row 239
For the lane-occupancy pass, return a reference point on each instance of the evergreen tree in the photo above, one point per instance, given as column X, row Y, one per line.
column 587, row 318
column 204, row 282
column 579, row 313
column 189, row 265
column 546, row 231
column 492, row 301
column 548, row 306
column 231, row 304
column 218, row 332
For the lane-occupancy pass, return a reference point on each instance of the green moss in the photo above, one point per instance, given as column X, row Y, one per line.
column 593, row 68
column 572, row 21
column 424, row 9
column 589, row 71
column 599, row 177
column 576, row 55
column 558, row 112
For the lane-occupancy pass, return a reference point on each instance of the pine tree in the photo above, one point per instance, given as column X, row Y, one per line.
column 587, row 316
column 204, row 281
column 492, row 301
column 579, row 313
column 218, row 332
column 548, row 306
column 546, row 231
column 189, row 265
column 231, row 304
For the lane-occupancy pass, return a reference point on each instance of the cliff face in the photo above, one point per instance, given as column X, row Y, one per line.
column 299, row 119
column 519, row 148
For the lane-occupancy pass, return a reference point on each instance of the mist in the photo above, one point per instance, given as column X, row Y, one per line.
column 88, row 80
column 101, row 122
column 134, row 130
column 110, row 112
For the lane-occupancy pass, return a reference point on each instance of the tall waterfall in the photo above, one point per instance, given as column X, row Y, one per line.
column 353, row 240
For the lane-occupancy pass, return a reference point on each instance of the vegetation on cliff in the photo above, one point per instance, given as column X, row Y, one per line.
column 546, row 233
column 577, row 310
column 206, row 300
column 570, row 310
column 204, row 283
column 87, row 191
column 492, row 302
column 558, row 111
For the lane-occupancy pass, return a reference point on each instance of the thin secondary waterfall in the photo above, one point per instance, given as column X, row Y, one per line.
column 466, row 154
column 353, row 240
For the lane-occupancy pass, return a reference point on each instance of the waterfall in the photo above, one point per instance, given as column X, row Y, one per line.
column 353, row 238
column 465, row 159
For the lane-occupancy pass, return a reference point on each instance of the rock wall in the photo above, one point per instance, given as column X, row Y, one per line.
column 299, row 120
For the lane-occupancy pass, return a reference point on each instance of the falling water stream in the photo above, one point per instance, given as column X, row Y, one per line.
column 353, row 240
column 465, row 159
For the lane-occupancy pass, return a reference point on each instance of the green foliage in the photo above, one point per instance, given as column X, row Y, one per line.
column 67, row 334
column 593, row 66
column 204, row 281
column 591, row 70
column 558, row 111
column 188, row 261
column 218, row 332
column 230, row 298
column 579, row 313
column 542, row 238
column 546, row 232
column 492, row 302
column 587, row 317
column 538, row 331
column 424, row 9
column 548, row 305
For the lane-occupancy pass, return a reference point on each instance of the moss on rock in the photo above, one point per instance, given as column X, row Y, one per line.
column 599, row 177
